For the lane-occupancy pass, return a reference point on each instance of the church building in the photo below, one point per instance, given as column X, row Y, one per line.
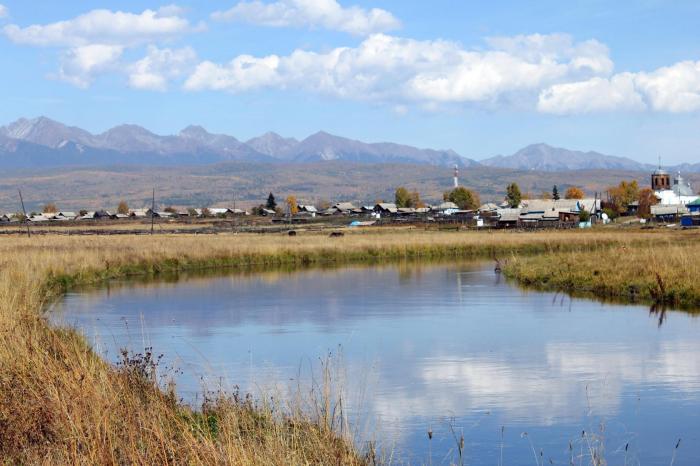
column 678, row 193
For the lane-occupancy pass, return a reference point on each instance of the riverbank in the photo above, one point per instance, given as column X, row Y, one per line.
column 61, row 403
column 663, row 273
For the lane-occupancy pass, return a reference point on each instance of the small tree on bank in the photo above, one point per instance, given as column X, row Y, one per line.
column 402, row 198
column 513, row 195
column 271, row 204
column 463, row 197
column 292, row 205
column 646, row 199
column 574, row 192
column 50, row 208
column 622, row 195
column 405, row 198
column 123, row 208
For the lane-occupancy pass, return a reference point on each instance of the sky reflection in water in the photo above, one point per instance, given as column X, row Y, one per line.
column 428, row 346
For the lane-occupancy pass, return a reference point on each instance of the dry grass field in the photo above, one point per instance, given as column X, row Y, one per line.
column 60, row 403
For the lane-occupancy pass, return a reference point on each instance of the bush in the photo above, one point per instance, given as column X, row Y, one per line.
column 611, row 213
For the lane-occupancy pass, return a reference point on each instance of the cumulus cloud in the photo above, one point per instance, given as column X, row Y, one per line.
column 159, row 66
column 80, row 65
column 328, row 14
column 94, row 43
column 593, row 95
column 674, row 88
column 3, row 11
column 103, row 27
column 402, row 70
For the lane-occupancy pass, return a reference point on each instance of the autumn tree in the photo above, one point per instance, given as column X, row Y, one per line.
column 405, row 198
column 416, row 202
column 574, row 192
column 623, row 195
column 123, row 208
column 292, row 204
column 402, row 198
column 50, row 208
column 271, row 203
column 646, row 199
column 464, row 198
column 555, row 193
column 513, row 195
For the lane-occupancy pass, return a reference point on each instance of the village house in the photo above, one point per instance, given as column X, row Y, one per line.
column 386, row 208
column 310, row 209
column 65, row 215
column 543, row 212
column 96, row 215
column 668, row 213
column 446, row 208
column 694, row 206
column 341, row 208
column 507, row 217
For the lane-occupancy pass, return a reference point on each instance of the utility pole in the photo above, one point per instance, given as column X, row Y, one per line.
column 595, row 208
column 26, row 219
column 153, row 208
column 233, row 223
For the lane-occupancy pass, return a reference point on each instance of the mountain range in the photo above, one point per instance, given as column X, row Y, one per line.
column 43, row 143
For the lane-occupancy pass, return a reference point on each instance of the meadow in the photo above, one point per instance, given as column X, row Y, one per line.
column 61, row 403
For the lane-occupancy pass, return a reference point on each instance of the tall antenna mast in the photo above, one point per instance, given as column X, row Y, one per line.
column 456, row 178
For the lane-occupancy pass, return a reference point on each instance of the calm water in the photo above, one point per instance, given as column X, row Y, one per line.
column 445, row 347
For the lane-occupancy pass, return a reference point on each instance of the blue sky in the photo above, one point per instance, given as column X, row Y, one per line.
column 483, row 78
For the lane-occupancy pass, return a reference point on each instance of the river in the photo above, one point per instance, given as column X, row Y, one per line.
column 452, row 349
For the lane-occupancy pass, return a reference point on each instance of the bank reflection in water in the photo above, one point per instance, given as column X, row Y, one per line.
column 448, row 346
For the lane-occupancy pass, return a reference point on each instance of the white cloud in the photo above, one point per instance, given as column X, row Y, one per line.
column 328, row 14
column 79, row 65
column 103, row 27
column 3, row 11
column 93, row 43
column 403, row 71
column 159, row 66
column 594, row 95
column 675, row 89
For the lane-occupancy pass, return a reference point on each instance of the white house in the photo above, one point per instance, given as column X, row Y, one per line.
column 679, row 193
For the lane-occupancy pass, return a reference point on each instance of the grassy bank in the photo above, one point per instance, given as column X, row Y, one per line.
column 60, row 403
column 663, row 272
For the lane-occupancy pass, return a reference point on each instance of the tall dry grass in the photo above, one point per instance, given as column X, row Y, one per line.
column 662, row 272
column 60, row 403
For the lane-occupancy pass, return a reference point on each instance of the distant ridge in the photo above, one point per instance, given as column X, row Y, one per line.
column 543, row 157
column 45, row 143
column 42, row 142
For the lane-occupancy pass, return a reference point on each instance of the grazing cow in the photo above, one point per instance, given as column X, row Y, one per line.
column 336, row 234
column 292, row 233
